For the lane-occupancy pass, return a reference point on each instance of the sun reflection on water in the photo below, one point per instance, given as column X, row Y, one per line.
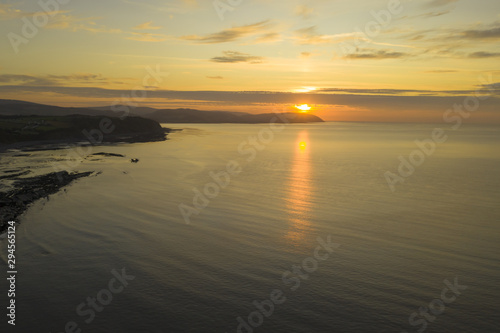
column 299, row 192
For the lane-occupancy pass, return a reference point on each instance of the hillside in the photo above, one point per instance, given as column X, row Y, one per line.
column 12, row 107
column 21, row 108
column 197, row 116
column 73, row 128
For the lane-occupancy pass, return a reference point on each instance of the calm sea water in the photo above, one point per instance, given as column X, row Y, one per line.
column 306, row 181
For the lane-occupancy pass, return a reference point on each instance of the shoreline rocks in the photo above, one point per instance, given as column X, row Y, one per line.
column 26, row 191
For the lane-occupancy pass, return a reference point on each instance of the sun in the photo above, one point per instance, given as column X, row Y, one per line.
column 303, row 107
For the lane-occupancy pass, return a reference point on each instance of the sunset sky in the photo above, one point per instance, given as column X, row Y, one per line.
column 417, row 61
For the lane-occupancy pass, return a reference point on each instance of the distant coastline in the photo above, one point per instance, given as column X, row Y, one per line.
column 22, row 108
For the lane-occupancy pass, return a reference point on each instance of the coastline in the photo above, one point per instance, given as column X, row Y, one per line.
column 27, row 190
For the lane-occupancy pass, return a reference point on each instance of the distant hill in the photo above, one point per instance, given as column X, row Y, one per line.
column 197, row 116
column 13, row 107
column 139, row 111
column 21, row 108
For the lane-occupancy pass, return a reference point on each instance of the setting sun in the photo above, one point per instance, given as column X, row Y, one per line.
column 303, row 107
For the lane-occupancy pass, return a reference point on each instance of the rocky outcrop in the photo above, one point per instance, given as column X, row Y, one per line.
column 27, row 190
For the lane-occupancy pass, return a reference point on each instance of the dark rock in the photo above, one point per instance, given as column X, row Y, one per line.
column 27, row 190
column 108, row 154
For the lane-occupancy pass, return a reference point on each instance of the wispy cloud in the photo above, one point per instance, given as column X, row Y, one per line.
column 73, row 23
column 442, row 71
column 310, row 35
column 232, row 34
column 16, row 79
column 215, row 77
column 304, row 11
column 178, row 7
column 438, row 3
column 482, row 54
column 425, row 15
column 52, row 80
column 59, row 20
column 270, row 37
column 483, row 34
column 458, row 43
column 367, row 54
column 7, row 12
column 148, row 37
column 146, row 26
column 234, row 57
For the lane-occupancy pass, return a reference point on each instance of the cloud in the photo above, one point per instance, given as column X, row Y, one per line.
column 425, row 15
column 375, row 54
column 178, row 7
column 485, row 33
column 439, row 3
column 482, row 54
column 492, row 88
column 9, row 13
column 305, row 55
column 146, row 26
column 310, row 35
column 434, row 14
column 148, row 37
column 73, row 23
column 405, row 92
column 452, row 42
column 369, row 99
column 231, row 34
column 25, row 80
column 234, row 57
column 442, row 71
column 304, row 11
column 52, row 80
column 492, row 33
column 268, row 38
column 215, row 77
column 59, row 19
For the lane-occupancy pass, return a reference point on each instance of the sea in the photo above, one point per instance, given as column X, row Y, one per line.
column 298, row 228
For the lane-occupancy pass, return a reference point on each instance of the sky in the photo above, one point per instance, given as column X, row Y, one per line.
column 350, row 60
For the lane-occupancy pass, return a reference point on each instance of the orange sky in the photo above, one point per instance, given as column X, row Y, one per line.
column 373, row 60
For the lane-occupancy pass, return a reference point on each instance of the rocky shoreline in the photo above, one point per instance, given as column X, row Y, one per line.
column 28, row 190
column 33, row 133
